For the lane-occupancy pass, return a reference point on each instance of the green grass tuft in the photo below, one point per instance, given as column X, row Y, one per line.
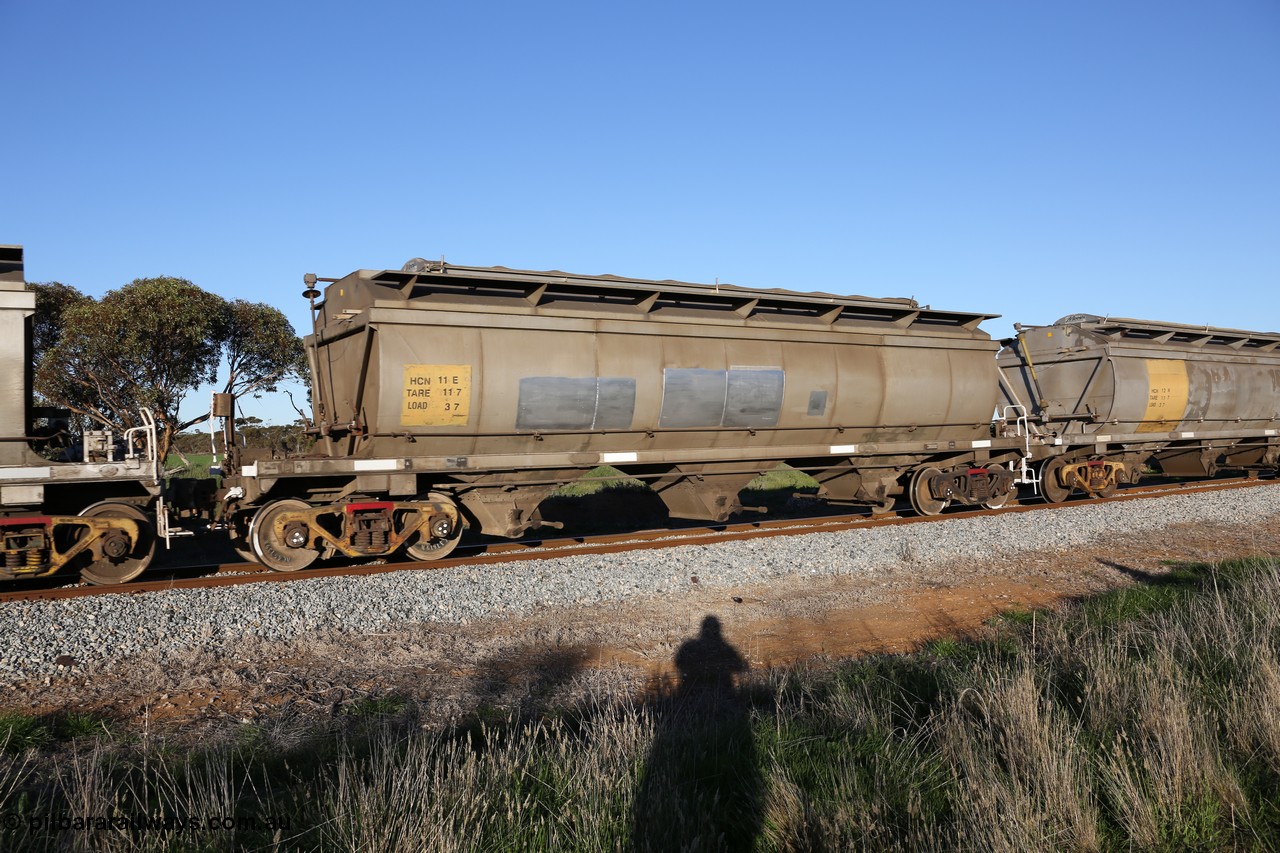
column 781, row 479
column 74, row 725
column 598, row 480
column 19, row 732
column 377, row 706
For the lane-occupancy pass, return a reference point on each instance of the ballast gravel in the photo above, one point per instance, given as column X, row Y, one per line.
column 103, row 632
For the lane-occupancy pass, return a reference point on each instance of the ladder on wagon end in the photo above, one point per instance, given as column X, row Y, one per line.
column 147, row 451
column 1026, row 473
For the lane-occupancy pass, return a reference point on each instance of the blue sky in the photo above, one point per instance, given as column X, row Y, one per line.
column 1032, row 159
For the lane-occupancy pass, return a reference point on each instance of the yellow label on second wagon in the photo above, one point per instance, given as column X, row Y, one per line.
column 436, row 395
column 1166, row 395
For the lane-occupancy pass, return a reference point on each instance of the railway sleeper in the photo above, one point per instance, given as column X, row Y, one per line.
column 288, row 535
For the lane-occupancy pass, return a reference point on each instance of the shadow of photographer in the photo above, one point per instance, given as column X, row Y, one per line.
column 701, row 787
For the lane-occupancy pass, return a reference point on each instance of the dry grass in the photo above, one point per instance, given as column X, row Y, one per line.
column 1146, row 719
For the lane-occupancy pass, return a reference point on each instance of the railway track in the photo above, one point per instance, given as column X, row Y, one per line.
column 234, row 574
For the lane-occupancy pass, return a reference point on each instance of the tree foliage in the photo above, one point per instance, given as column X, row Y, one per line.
column 53, row 299
column 151, row 342
column 261, row 348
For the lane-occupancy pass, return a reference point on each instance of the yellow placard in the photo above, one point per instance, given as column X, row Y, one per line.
column 436, row 395
column 1166, row 395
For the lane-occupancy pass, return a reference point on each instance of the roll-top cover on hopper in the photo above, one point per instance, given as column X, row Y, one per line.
column 522, row 291
column 1176, row 335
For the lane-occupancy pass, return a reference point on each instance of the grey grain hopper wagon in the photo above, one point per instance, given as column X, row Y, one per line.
column 487, row 388
column 1111, row 395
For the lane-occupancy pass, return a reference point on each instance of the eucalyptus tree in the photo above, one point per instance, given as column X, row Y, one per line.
column 150, row 343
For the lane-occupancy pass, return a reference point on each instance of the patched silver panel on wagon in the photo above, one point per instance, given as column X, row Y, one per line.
column 566, row 403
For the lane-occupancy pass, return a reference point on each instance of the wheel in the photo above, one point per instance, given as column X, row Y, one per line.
column 922, row 500
column 1000, row 500
column 274, row 553
column 436, row 547
column 122, row 560
column 1050, row 486
column 884, row 506
column 1113, row 485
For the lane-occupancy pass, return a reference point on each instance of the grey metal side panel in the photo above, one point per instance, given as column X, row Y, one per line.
column 561, row 402
column 753, row 398
column 16, row 304
column 738, row 397
column 878, row 387
column 556, row 402
column 615, row 403
column 692, row 397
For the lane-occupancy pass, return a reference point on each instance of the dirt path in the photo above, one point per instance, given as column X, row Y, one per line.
column 564, row 655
